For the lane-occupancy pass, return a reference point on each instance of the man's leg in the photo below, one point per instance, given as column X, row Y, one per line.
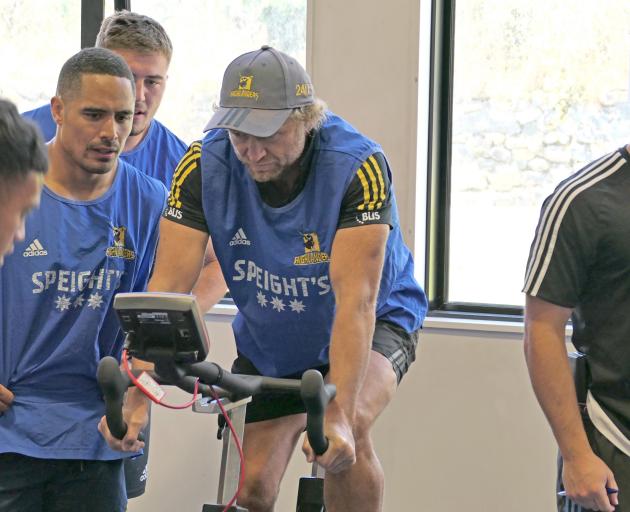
column 87, row 486
column 267, row 447
column 28, row 484
column 360, row 488
column 21, row 482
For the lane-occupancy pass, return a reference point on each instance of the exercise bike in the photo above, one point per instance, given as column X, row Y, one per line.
column 168, row 330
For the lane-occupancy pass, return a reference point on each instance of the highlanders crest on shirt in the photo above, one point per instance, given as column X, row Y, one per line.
column 312, row 253
column 118, row 250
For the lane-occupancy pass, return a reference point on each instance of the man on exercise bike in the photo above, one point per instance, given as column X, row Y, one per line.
column 301, row 213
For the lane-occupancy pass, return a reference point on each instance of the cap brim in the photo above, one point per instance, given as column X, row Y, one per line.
column 253, row 121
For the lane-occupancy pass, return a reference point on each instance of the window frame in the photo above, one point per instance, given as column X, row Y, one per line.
column 437, row 250
column 92, row 15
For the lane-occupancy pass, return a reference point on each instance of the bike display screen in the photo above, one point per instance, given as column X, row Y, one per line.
column 162, row 325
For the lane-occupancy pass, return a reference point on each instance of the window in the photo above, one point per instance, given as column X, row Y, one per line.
column 37, row 38
column 524, row 94
column 207, row 38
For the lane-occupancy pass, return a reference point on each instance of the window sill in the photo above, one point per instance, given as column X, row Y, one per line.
column 226, row 311
column 467, row 324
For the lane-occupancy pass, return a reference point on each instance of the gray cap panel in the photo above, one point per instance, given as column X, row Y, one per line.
column 264, row 80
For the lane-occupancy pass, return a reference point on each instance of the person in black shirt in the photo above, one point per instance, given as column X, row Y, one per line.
column 579, row 266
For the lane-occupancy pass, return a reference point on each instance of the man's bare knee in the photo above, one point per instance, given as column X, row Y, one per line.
column 362, row 426
column 258, row 494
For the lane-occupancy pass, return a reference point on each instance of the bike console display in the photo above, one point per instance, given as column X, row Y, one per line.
column 162, row 326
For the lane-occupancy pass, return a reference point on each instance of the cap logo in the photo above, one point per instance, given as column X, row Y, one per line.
column 245, row 88
column 303, row 89
column 245, row 82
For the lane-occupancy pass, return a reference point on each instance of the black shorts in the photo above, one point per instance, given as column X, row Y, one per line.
column 59, row 485
column 390, row 340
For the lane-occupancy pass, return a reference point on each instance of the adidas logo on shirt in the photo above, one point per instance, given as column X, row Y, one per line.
column 35, row 249
column 240, row 238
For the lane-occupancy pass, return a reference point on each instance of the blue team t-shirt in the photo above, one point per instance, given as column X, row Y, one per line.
column 157, row 155
column 56, row 319
column 276, row 260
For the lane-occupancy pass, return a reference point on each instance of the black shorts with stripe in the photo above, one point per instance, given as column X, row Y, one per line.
column 390, row 340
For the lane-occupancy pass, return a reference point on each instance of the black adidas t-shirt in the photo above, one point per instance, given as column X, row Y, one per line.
column 580, row 259
column 367, row 200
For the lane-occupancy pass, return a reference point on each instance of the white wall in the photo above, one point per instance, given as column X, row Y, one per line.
column 464, row 431
column 363, row 60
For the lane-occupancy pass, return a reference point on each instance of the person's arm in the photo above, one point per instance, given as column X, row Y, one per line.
column 585, row 475
column 179, row 259
column 210, row 287
column 186, row 208
column 356, row 288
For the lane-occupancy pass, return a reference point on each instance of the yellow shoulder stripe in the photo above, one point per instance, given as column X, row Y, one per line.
column 188, row 163
column 379, row 173
column 371, row 178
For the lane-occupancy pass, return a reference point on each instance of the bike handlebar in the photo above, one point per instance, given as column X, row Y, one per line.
column 315, row 393
column 113, row 384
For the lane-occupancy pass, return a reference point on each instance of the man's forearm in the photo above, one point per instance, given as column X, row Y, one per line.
column 552, row 381
column 356, row 292
column 210, row 287
column 349, row 355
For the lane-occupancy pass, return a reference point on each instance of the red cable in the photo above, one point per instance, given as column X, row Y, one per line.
column 238, row 447
column 237, row 442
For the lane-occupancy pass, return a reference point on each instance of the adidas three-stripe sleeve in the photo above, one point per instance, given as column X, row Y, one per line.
column 570, row 231
column 368, row 198
column 185, row 197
